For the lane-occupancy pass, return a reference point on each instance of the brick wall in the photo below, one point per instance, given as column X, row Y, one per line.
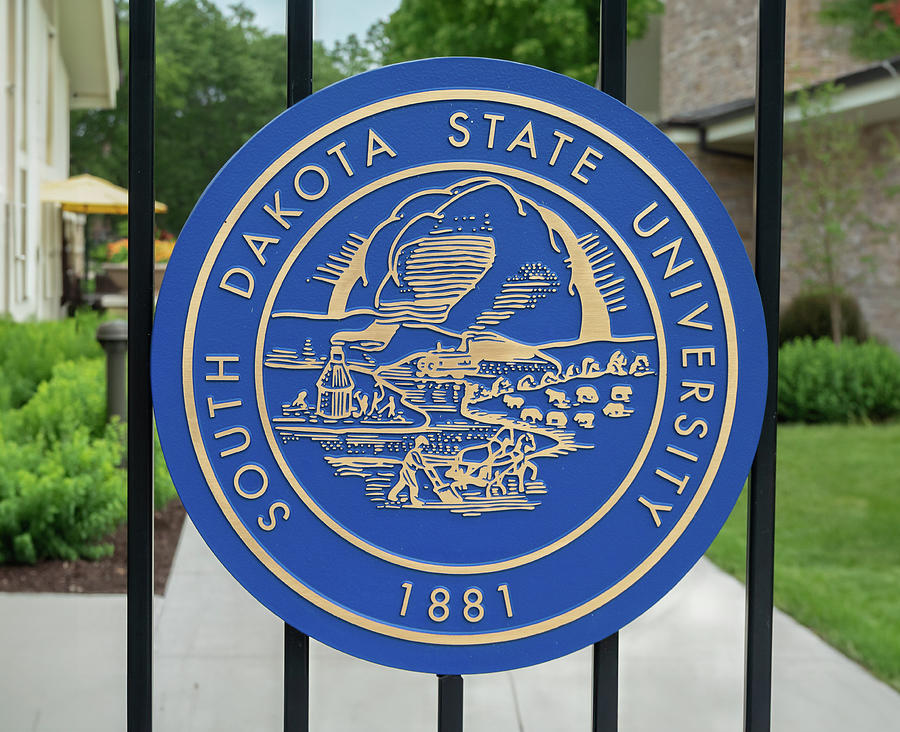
column 732, row 179
column 815, row 52
column 708, row 52
column 708, row 57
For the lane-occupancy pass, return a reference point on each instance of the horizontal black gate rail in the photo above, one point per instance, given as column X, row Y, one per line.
column 761, row 504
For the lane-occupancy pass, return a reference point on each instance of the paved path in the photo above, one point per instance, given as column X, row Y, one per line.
column 218, row 667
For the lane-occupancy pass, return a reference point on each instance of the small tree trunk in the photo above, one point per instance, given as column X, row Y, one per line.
column 836, row 318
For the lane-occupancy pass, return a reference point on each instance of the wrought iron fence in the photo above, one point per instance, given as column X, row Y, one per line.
column 761, row 504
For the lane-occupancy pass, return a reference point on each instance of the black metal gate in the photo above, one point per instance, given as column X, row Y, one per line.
column 761, row 504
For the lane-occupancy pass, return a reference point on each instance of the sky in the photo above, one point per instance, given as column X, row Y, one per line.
column 333, row 19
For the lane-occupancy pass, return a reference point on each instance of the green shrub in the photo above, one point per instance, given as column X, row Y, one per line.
column 809, row 315
column 58, row 499
column 821, row 382
column 29, row 351
column 74, row 396
column 62, row 487
column 163, row 488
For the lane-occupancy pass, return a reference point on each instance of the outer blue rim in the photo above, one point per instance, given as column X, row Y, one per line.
column 222, row 194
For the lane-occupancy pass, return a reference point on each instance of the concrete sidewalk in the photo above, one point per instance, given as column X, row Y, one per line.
column 218, row 667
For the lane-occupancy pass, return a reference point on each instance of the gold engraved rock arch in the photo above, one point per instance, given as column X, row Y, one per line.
column 433, row 297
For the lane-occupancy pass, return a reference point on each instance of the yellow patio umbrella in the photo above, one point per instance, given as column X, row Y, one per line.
column 90, row 195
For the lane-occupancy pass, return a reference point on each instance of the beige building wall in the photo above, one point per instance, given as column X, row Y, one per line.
column 34, row 128
column 37, row 88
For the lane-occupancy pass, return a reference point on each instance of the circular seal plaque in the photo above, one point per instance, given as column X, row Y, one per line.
column 459, row 365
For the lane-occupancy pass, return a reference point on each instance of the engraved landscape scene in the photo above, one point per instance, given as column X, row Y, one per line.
column 461, row 352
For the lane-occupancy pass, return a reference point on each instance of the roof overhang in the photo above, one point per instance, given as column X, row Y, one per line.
column 90, row 50
column 871, row 95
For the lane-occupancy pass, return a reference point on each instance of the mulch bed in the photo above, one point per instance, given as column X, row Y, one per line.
column 105, row 575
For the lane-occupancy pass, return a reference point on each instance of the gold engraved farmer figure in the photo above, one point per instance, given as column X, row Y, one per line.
column 412, row 463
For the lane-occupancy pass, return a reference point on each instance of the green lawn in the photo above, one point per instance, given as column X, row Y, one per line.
column 837, row 539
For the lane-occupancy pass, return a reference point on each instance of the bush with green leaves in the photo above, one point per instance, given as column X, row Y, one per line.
column 821, row 382
column 59, row 499
column 62, row 485
column 29, row 351
column 809, row 315
column 73, row 397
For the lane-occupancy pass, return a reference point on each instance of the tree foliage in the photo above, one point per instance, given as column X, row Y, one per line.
column 354, row 55
column 560, row 35
column 875, row 25
column 219, row 78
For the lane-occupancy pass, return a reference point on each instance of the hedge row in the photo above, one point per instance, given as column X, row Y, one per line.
column 821, row 382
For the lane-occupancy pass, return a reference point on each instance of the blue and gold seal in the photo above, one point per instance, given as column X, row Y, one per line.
column 459, row 365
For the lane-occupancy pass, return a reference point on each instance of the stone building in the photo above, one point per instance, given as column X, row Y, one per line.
column 694, row 75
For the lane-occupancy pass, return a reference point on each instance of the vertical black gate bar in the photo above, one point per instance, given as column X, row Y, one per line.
column 141, row 60
column 605, row 672
column 296, row 680
column 299, row 50
column 613, row 47
column 450, row 703
column 299, row 86
column 605, row 685
column 761, row 499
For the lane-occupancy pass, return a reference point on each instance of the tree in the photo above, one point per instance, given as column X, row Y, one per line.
column 353, row 55
column 219, row 78
column 875, row 25
column 560, row 35
column 826, row 175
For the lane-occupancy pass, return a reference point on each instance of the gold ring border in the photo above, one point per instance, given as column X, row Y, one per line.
column 730, row 398
column 460, row 569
